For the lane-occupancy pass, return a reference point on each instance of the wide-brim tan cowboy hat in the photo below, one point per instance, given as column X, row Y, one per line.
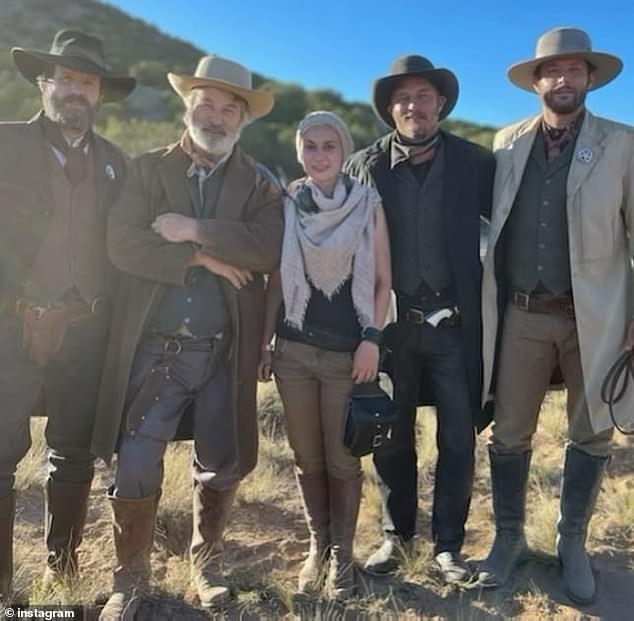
column 561, row 42
column 228, row 75
column 413, row 66
column 77, row 51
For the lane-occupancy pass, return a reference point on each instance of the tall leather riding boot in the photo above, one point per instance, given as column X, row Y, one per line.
column 133, row 528
column 344, row 498
column 66, row 508
column 509, row 477
column 579, row 491
column 210, row 513
column 314, row 492
column 7, row 515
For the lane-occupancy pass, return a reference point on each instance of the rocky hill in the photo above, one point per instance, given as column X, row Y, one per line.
column 152, row 116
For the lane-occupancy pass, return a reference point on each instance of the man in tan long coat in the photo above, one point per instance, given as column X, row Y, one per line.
column 557, row 292
column 196, row 227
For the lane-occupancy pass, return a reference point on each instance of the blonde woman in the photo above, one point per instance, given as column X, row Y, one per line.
column 326, row 305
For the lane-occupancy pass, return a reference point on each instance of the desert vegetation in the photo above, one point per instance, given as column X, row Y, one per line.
column 267, row 538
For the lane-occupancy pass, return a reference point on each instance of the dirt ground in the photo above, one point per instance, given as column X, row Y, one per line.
column 267, row 539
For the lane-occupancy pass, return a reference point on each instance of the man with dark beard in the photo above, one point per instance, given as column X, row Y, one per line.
column 58, row 180
column 434, row 186
column 557, row 293
column 195, row 228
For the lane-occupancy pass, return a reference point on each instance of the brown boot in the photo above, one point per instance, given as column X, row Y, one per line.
column 210, row 512
column 314, row 491
column 66, row 508
column 345, row 498
column 133, row 527
column 7, row 513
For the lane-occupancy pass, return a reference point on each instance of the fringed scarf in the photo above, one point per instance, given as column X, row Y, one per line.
column 326, row 246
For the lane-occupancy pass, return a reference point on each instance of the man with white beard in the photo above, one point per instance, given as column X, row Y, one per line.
column 195, row 229
column 58, row 180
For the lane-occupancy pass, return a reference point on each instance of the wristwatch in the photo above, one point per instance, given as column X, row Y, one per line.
column 374, row 335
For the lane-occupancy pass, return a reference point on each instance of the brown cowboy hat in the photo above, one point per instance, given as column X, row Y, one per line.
column 227, row 75
column 78, row 51
column 411, row 66
column 565, row 42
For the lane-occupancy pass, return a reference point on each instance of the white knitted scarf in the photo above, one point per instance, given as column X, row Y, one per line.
column 327, row 246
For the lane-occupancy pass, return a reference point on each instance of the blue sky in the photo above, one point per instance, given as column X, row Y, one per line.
column 346, row 45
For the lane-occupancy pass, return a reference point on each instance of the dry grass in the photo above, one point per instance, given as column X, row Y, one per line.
column 267, row 538
column 31, row 472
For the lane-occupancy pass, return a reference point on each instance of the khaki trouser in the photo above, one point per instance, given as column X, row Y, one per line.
column 533, row 345
column 315, row 386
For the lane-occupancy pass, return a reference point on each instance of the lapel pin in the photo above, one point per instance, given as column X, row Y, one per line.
column 109, row 170
column 585, row 155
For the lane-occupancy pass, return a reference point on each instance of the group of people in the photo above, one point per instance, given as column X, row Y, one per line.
column 140, row 302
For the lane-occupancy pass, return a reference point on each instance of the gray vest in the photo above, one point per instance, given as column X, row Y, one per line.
column 73, row 253
column 537, row 229
column 421, row 252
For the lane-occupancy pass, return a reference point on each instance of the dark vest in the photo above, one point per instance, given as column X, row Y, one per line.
column 200, row 306
column 421, row 253
column 537, row 254
column 73, row 252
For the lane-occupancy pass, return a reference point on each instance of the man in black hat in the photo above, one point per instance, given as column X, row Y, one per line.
column 557, row 293
column 434, row 186
column 57, row 182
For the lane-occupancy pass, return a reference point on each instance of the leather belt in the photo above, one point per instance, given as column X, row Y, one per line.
column 75, row 311
column 434, row 316
column 544, row 303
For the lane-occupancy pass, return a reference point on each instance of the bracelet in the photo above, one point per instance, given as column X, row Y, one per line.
column 267, row 347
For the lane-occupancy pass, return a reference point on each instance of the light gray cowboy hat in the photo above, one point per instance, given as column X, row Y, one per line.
column 227, row 75
column 561, row 42
column 77, row 51
column 412, row 65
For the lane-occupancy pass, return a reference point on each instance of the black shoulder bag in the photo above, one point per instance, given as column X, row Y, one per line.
column 369, row 420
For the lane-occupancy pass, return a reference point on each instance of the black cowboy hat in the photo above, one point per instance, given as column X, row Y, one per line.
column 80, row 52
column 413, row 66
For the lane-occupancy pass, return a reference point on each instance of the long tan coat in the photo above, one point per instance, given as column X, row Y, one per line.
column 600, row 210
column 247, row 232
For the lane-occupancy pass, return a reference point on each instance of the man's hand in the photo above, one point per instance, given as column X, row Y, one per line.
column 629, row 335
column 237, row 276
column 365, row 365
column 174, row 227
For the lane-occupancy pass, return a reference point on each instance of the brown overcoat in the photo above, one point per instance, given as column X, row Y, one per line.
column 246, row 232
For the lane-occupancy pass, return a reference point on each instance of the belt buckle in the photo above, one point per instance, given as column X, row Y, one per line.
column 173, row 347
column 38, row 312
column 96, row 305
column 415, row 315
column 522, row 300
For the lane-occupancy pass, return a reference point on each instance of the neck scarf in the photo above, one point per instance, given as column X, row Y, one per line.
column 76, row 160
column 414, row 151
column 199, row 157
column 326, row 246
column 557, row 139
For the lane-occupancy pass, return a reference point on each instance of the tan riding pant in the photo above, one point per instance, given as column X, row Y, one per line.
column 315, row 386
column 533, row 345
